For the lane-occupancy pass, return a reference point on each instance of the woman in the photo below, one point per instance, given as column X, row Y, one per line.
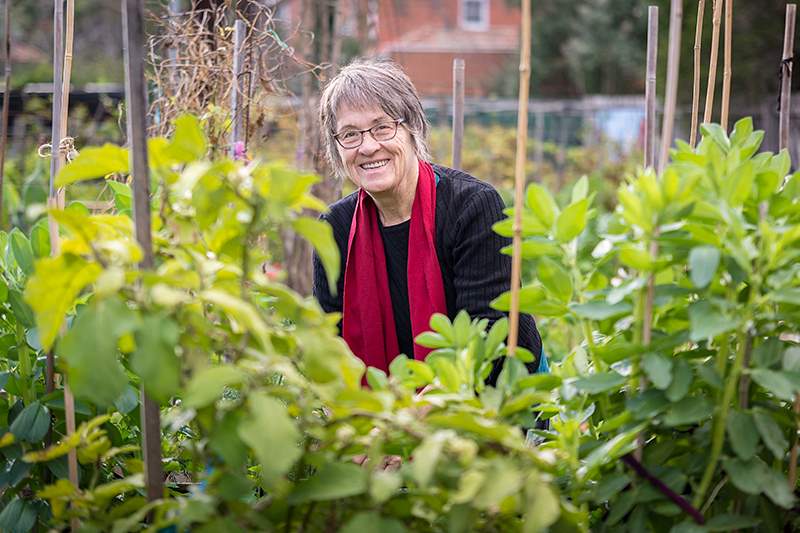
column 415, row 238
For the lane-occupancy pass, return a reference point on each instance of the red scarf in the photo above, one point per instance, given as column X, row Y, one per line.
column 368, row 320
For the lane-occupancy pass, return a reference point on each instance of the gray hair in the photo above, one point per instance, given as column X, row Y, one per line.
column 364, row 83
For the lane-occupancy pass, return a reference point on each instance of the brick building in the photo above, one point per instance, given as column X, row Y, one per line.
column 424, row 36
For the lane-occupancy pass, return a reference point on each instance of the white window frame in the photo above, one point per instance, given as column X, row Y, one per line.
column 483, row 25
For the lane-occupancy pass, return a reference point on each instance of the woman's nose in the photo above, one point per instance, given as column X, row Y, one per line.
column 368, row 144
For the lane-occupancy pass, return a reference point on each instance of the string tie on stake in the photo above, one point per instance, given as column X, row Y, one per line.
column 784, row 68
column 66, row 147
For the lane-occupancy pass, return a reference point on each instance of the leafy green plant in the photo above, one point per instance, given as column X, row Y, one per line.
column 266, row 424
column 686, row 303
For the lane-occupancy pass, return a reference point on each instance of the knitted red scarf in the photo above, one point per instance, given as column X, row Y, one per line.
column 368, row 320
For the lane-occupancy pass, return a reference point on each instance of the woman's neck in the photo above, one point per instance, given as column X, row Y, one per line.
column 394, row 206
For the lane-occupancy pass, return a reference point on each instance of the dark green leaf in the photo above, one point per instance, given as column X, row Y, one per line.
column 776, row 487
column 123, row 195
column 658, row 369
column 609, row 487
column 771, row 433
column 127, row 401
column 690, row 410
column 22, row 311
column 90, row 349
column 555, row 279
column 775, row 382
column 703, row 263
column 747, row 476
column 599, row 382
column 730, row 522
column 207, row 385
column 278, row 448
column 768, row 353
column 19, row 516
column 154, row 359
column 681, row 381
column 791, row 359
column 334, row 481
column 32, row 423
column 372, row 522
column 600, row 310
column 742, row 433
column 707, row 322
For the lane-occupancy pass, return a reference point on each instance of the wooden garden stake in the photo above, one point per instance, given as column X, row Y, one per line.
column 238, row 91
column 698, row 38
column 726, row 69
column 458, row 110
column 650, row 88
column 786, row 76
column 136, row 97
column 673, row 63
column 712, row 67
column 783, row 143
column 6, row 96
column 519, row 173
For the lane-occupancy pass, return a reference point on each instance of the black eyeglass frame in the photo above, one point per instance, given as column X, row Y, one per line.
column 396, row 122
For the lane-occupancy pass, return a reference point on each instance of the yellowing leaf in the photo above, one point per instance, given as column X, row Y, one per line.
column 94, row 162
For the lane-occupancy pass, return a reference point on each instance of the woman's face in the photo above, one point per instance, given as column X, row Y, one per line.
column 377, row 167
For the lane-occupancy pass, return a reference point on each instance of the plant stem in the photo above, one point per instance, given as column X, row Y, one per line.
column 25, row 370
column 718, row 436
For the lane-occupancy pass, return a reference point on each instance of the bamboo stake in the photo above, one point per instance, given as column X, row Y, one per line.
column 712, row 67
column 698, row 39
column 650, row 88
column 673, row 64
column 786, row 76
column 458, row 110
column 783, row 143
column 238, row 91
column 519, row 173
column 726, row 69
column 136, row 97
column 6, row 97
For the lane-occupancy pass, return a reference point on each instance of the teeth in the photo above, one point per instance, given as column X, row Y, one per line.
column 374, row 164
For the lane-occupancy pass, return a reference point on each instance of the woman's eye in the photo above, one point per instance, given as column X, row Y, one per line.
column 382, row 129
column 348, row 135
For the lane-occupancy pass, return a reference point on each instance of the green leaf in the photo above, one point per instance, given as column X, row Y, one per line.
column 658, row 369
column 542, row 382
column 610, row 486
column 154, row 359
column 22, row 312
column 771, row 433
column 581, row 189
column 372, row 522
column 276, row 448
column 535, row 247
column 94, row 162
column 188, row 143
column 768, row 352
column 543, row 505
column 634, row 257
column 747, row 476
column 426, row 456
column 90, row 349
column 706, row 322
column 742, row 433
column 207, row 385
column 127, row 401
column 600, row 309
column 717, row 134
column 376, row 378
column 446, row 372
column 32, row 423
column 731, row 522
column 776, row 487
column 572, row 221
column 791, row 359
column 703, row 263
column 53, row 289
column 21, row 248
column 541, row 202
column 334, row 481
column 19, row 516
column 555, row 279
column 690, row 410
column 496, row 336
column 384, row 484
column 123, row 195
column 320, row 234
column 681, row 381
column 40, row 239
column 775, row 382
column 599, row 382
column 741, row 131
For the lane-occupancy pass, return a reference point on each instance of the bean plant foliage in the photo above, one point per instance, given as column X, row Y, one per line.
column 686, row 301
column 266, row 420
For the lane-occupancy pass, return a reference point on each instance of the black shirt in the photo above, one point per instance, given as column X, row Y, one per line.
column 395, row 246
column 474, row 272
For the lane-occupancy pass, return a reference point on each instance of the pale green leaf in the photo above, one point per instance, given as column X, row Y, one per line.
column 94, row 162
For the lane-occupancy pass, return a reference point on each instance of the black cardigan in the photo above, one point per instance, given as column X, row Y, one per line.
column 474, row 271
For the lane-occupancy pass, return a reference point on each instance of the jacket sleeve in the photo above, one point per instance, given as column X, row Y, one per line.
column 482, row 273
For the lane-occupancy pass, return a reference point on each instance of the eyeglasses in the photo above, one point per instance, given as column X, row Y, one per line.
column 385, row 131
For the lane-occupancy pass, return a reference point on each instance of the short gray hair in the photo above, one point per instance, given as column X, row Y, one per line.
column 364, row 83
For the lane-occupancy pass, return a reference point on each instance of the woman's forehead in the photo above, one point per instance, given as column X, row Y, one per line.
column 359, row 116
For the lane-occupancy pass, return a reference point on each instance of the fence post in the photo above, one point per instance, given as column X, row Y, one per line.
column 671, row 94
column 458, row 110
column 135, row 96
column 650, row 88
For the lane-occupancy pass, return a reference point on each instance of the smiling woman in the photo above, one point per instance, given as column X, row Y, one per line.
column 415, row 238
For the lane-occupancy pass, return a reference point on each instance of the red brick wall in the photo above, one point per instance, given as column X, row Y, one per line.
column 432, row 73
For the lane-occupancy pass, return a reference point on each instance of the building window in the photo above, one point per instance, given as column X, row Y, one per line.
column 475, row 14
